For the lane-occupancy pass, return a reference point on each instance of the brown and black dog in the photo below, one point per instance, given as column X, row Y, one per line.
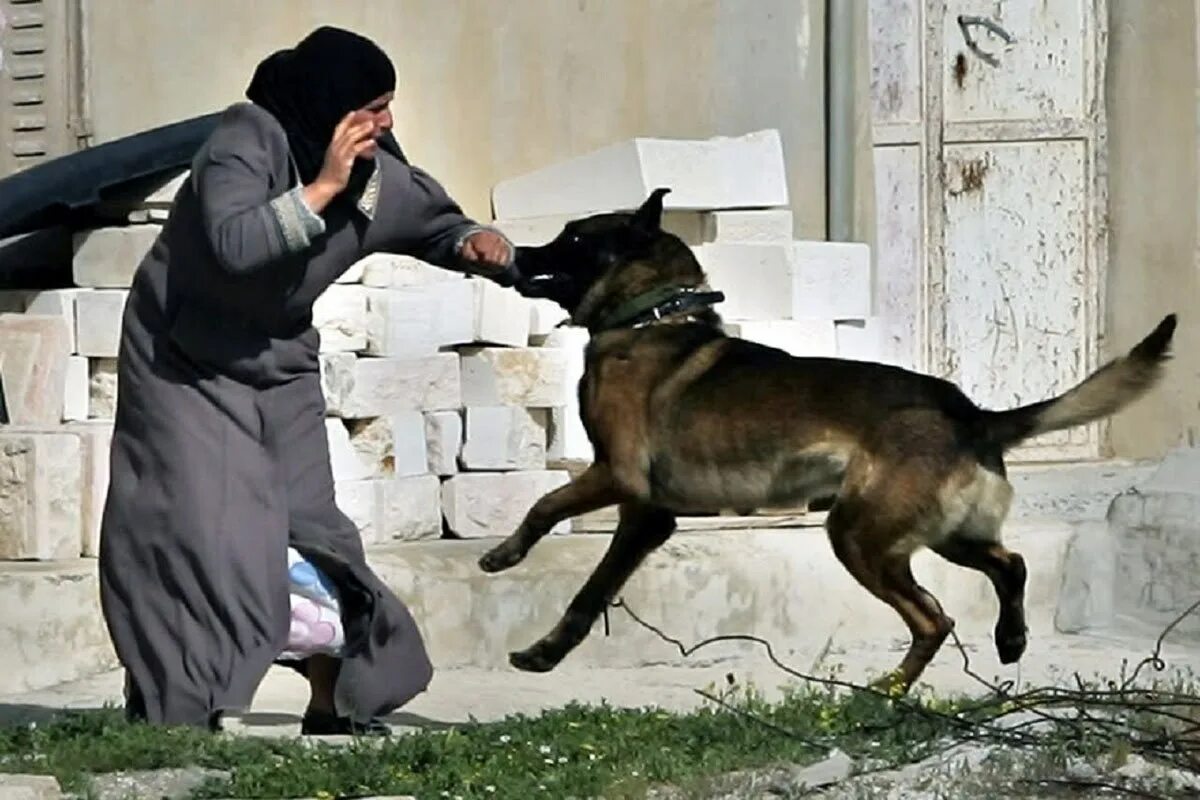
column 686, row 420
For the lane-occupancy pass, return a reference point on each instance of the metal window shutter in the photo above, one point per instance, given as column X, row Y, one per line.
column 35, row 81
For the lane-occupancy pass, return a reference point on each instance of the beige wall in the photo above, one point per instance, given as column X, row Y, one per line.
column 491, row 89
column 1154, row 191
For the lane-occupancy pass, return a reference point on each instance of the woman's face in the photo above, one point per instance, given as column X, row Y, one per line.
column 380, row 112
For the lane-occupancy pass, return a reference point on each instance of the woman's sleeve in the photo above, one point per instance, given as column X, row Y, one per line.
column 436, row 225
column 248, row 221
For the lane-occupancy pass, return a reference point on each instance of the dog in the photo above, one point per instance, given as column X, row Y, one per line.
column 686, row 420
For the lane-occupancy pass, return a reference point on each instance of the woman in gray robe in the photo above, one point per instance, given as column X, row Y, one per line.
column 219, row 460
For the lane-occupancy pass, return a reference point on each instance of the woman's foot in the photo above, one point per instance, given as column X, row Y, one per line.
column 326, row 723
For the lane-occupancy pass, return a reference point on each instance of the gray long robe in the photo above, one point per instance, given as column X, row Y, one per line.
column 219, row 456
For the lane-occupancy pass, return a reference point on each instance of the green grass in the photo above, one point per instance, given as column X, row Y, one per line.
column 578, row 751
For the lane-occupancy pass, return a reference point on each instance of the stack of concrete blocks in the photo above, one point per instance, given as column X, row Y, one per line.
column 729, row 203
column 438, row 406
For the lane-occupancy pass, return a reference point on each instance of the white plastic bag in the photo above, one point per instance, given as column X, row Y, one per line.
column 316, row 621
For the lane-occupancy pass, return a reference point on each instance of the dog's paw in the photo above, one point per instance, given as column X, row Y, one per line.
column 500, row 558
column 893, row 684
column 1010, row 644
column 538, row 658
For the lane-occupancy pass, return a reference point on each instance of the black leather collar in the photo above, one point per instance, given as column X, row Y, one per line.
column 658, row 304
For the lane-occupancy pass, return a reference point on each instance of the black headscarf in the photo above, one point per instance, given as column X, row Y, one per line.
column 310, row 87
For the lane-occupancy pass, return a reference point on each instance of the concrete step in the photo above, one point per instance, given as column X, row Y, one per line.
column 1073, row 491
column 783, row 585
column 51, row 630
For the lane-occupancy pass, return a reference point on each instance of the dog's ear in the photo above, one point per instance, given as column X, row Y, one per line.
column 649, row 216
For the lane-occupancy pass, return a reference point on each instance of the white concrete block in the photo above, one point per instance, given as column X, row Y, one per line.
column 504, row 438
column 722, row 172
column 389, row 271
column 444, row 440
column 34, row 352
column 98, row 322
column 107, row 258
column 797, row 280
column 863, row 340
column 501, row 316
column 102, row 388
column 419, row 320
column 96, row 444
column 344, row 460
column 567, row 438
column 544, row 316
column 758, row 279
column 77, row 389
column 833, row 280
column 478, row 504
column 752, row 225
column 353, row 274
column 392, row 445
column 410, row 508
column 800, row 337
column 41, row 495
column 533, row 231
column 60, row 302
column 361, row 501
column 340, row 316
column 530, row 377
column 358, row 388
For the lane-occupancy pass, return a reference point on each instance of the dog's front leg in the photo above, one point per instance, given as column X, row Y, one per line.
column 641, row 529
column 593, row 489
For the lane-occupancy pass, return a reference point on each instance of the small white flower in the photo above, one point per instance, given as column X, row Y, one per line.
column 544, row 749
column 562, row 759
column 634, row 773
column 591, row 756
column 505, row 739
column 547, row 760
column 490, row 789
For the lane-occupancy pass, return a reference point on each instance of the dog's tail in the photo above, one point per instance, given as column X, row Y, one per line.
column 1103, row 393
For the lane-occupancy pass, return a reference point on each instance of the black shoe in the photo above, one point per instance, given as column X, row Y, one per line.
column 323, row 723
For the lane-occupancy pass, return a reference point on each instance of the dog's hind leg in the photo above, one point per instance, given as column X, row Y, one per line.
column 975, row 543
column 869, row 556
column 593, row 489
column 1006, row 570
column 641, row 529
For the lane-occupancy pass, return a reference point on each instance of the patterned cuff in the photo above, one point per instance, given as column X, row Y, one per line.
column 474, row 229
column 299, row 223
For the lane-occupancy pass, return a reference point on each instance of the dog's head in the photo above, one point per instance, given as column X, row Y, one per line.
column 599, row 263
